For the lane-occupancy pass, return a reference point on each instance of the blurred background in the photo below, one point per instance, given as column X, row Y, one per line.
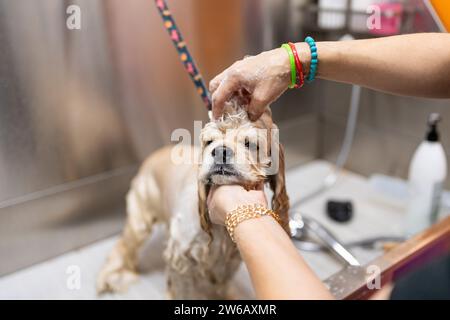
column 81, row 109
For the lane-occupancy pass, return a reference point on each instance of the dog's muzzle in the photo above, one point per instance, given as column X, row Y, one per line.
column 223, row 157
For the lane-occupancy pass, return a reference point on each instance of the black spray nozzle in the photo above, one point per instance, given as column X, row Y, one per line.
column 432, row 133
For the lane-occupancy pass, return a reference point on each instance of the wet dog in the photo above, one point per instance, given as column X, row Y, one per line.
column 200, row 257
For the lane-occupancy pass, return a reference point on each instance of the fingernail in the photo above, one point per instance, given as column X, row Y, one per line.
column 252, row 116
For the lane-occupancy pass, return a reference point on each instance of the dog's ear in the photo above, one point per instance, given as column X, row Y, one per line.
column 205, row 221
column 280, row 199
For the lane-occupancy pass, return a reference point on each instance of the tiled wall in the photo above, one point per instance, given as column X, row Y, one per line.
column 389, row 128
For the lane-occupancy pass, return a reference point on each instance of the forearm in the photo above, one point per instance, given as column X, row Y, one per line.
column 414, row 65
column 276, row 268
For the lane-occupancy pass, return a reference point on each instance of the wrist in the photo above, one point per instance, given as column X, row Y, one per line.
column 245, row 213
column 304, row 53
column 251, row 224
column 283, row 70
column 258, row 230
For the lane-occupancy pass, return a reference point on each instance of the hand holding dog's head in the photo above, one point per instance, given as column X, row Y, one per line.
column 236, row 150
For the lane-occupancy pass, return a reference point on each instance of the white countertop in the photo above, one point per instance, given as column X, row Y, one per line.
column 372, row 217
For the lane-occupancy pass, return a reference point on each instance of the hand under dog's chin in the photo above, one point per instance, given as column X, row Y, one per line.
column 227, row 179
column 219, row 179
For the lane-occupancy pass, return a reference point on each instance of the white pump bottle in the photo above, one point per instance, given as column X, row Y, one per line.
column 427, row 173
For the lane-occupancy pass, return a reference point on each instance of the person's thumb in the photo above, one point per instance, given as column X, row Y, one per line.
column 222, row 94
column 256, row 108
column 260, row 186
column 210, row 194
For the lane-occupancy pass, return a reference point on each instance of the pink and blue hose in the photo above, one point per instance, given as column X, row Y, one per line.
column 183, row 52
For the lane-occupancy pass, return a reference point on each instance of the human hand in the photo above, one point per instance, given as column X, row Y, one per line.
column 223, row 199
column 262, row 79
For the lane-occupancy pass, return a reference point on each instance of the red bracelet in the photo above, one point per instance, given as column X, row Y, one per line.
column 298, row 64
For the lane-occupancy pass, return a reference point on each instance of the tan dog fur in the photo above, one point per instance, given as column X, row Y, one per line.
column 200, row 257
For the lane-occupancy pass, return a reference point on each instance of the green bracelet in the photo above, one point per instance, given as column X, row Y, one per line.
column 293, row 67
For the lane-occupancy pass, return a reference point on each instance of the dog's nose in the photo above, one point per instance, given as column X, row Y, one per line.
column 222, row 155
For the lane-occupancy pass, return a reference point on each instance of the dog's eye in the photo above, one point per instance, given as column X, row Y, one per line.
column 207, row 143
column 250, row 145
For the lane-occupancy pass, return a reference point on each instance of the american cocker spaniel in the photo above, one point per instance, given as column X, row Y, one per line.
column 200, row 257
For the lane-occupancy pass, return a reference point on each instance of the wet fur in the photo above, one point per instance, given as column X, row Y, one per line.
column 200, row 257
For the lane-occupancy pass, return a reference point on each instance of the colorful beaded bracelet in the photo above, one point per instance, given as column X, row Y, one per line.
column 314, row 59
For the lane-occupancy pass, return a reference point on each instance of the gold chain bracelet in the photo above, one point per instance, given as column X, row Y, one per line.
column 246, row 212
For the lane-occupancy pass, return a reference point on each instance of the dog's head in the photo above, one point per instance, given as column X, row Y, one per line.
column 238, row 151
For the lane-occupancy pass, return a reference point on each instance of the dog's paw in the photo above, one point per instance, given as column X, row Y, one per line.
column 115, row 281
